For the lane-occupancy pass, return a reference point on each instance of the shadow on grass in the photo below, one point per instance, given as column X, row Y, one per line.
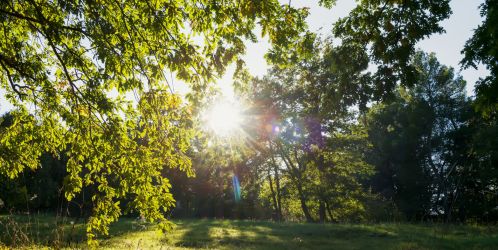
column 269, row 235
column 48, row 230
column 42, row 231
column 225, row 234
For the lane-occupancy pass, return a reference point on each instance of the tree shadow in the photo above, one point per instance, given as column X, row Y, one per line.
column 226, row 234
column 48, row 230
column 197, row 233
column 267, row 235
column 42, row 231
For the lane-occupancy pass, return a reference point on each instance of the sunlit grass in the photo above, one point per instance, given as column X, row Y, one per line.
column 226, row 234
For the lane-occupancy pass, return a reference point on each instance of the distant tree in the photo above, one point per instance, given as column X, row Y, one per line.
column 398, row 157
column 322, row 87
column 474, row 174
column 416, row 144
column 306, row 130
column 33, row 190
column 314, row 95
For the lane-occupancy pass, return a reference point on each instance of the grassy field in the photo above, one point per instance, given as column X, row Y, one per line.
column 42, row 232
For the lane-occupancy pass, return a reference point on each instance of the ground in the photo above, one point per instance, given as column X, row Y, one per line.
column 40, row 231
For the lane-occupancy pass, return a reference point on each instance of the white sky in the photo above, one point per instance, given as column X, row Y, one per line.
column 447, row 46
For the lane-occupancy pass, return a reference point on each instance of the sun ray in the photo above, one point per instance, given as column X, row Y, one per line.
column 224, row 118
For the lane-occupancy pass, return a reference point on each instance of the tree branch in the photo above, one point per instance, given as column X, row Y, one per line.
column 11, row 81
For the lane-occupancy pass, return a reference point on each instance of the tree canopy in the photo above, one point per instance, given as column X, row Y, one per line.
column 67, row 67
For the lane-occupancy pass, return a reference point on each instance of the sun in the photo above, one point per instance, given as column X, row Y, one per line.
column 224, row 118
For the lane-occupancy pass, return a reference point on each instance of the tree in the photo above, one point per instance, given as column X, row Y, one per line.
column 67, row 67
column 416, row 141
column 478, row 180
column 323, row 86
column 477, row 195
column 307, row 131
column 389, row 30
column 482, row 47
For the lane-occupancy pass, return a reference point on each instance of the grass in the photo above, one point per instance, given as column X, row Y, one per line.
column 42, row 232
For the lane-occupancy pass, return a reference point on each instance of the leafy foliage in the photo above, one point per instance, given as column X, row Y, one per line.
column 482, row 47
column 306, row 130
column 68, row 67
column 390, row 30
column 427, row 148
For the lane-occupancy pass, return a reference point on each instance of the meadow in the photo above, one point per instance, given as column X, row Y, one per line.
column 42, row 231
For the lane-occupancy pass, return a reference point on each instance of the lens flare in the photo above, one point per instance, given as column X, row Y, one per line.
column 236, row 188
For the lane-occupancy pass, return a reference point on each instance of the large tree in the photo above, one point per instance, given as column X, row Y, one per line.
column 314, row 95
column 67, row 67
column 306, row 127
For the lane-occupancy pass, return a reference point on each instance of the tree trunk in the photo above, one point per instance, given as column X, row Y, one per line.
column 277, row 183
column 315, row 128
column 321, row 211
column 274, row 198
column 329, row 211
column 296, row 178
column 302, row 198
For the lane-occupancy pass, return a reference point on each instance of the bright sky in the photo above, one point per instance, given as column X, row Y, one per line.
column 459, row 27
